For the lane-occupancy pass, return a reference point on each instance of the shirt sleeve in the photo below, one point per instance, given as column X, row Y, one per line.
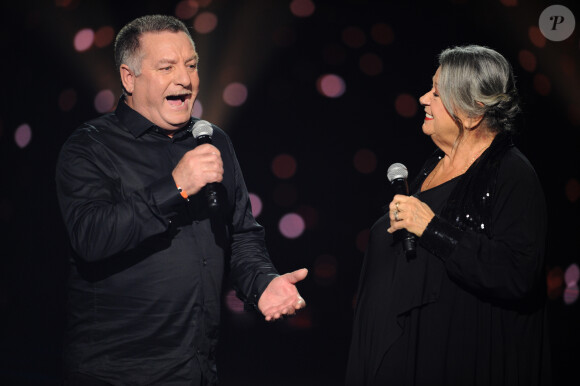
column 251, row 268
column 508, row 265
column 101, row 218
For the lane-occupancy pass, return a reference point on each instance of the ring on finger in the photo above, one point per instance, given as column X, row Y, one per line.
column 397, row 205
column 396, row 215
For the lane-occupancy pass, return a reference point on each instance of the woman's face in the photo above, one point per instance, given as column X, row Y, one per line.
column 438, row 123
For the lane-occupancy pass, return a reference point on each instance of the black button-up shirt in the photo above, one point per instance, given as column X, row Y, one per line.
column 147, row 265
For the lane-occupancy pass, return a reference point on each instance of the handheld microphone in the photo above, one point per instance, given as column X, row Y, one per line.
column 202, row 131
column 397, row 175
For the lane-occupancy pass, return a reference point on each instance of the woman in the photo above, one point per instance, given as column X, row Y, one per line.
column 468, row 309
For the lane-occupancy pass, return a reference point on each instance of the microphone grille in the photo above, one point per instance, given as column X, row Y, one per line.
column 397, row 171
column 201, row 127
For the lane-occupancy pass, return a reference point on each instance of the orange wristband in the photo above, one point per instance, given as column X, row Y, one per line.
column 183, row 193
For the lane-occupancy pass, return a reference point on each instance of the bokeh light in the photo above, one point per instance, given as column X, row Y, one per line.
column 365, row 161
column 284, row 166
column 235, row 94
column 291, row 225
column 197, row 110
column 572, row 190
column 353, row 37
column 205, row 22
column 382, row 34
column 325, row 269
column 67, row 99
column 509, row 3
column 536, row 37
column 302, row 8
column 555, row 281
column 371, row 64
column 331, row 85
column 285, row 194
column 256, row 203
column 309, row 215
column 23, row 135
column 362, row 240
column 233, row 303
column 104, row 101
column 527, row 60
column 406, row 105
column 186, row 9
column 542, row 84
column 571, row 277
column 84, row 39
column 104, row 36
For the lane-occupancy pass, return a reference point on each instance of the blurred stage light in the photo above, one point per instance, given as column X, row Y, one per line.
column 84, row 39
column 353, row 37
column 23, row 135
column 571, row 277
column 302, row 8
column 382, row 34
column 542, row 84
column 67, row 99
column 536, row 37
column 186, row 9
column 256, row 203
column 233, row 303
column 572, row 190
column 325, row 269
column 197, row 110
column 205, row 22
column 371, row 64
column 330, row 85
column 406, row 105
column 291, row 225
column 555, row 281
column 527, row 60
column 104, row 36
column 235, row 94
column 284, row 166
column 105, row 101
column 365, row 161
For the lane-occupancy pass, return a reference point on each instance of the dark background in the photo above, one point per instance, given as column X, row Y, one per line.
column 279, row 57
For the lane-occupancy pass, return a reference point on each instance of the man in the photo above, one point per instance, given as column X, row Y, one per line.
column 148, row 255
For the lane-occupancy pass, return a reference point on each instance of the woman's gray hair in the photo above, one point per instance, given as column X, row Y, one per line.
column 127, row 43
column 478, row 81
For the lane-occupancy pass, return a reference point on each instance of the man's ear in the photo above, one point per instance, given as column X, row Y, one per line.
column 127, row 78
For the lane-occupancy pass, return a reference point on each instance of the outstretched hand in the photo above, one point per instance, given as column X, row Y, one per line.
column 281, row 296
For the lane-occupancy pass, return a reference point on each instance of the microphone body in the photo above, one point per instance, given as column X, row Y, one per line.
column 202, row 132
column 397, row 175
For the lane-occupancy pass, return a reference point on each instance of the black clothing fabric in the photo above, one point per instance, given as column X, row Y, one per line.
column 147, row 265
column 469, row 309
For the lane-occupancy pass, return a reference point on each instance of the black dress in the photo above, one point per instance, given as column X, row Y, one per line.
column 469, row 309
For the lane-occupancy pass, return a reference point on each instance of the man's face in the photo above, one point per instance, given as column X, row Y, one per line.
column 168, row 84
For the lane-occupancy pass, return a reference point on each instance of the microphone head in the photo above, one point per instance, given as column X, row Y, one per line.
column 397, row 171
column 200, row 128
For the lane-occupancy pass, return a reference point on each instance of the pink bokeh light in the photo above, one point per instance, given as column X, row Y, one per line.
column 302, row 8
column 205, row 22
column 331, row 85
column 235, row 94
column 23, row 135
column 84, row 39
column 291, row 225
column 256, row 203
column 104, row 101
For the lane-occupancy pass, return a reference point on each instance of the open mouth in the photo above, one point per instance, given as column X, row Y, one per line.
column 177, row 100
column 428, row 117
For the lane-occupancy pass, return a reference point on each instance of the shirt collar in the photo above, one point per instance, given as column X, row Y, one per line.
column 137, row 123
